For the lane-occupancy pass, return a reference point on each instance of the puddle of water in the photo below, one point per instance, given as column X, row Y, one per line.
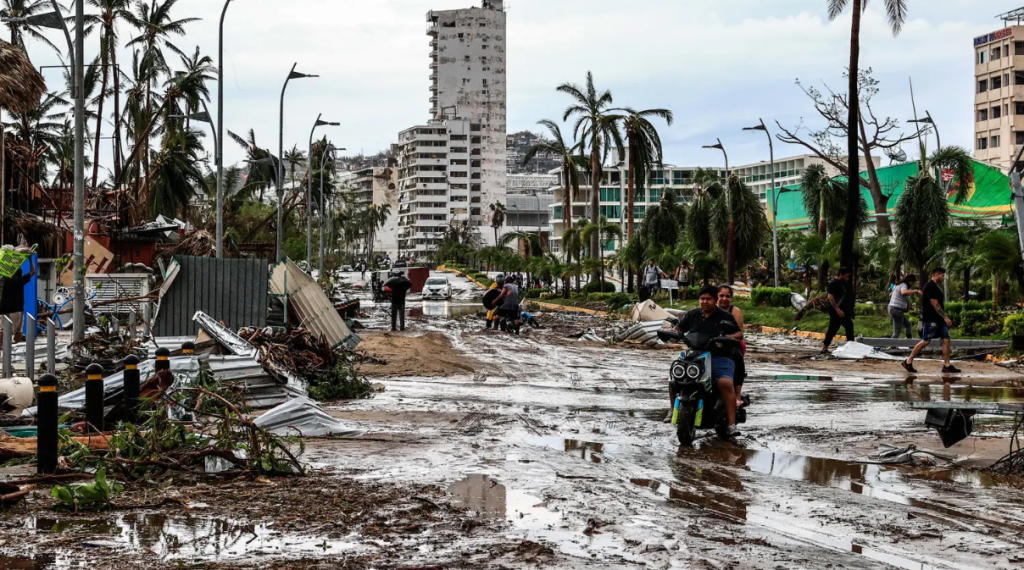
column 797, row 378
column 444, row 310
column 188, row 538
column 586, row 450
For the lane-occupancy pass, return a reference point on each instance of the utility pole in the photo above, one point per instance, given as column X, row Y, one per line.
column 78, row 306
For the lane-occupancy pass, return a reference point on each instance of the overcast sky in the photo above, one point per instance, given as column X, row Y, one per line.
column 718, row 65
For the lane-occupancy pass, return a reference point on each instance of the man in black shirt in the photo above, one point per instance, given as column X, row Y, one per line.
column 840, row 307
column 12, row 298
column 713, row 320
column 399, row 286
column 936, row 323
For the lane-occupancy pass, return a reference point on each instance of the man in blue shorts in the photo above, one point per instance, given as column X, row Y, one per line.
column 713, row 320
column 936, row 323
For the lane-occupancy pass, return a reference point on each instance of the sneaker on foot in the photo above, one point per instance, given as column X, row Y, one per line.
column 950, row 369
column 909, row 367
column 732, row 431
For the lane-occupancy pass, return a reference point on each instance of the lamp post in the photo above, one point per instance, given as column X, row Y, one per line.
column 323, row 157
column 219, row 134
column 774, row 202
column 280, row 161
column 309, row 185
column 202, row 117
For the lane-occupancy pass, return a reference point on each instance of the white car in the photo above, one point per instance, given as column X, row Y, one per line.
column 347, row 269
column 437, row 288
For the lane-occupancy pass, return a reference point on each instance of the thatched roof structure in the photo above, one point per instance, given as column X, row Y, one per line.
column 21, row 86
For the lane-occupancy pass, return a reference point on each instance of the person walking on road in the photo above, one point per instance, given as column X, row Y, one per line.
column 840, row 307
column 899, row 304
column 399, row 285
column 936, row 323
column 683, row 279
column 652, row 277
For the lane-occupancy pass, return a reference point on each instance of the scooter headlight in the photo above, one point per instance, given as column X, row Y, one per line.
column 693, row 372
column 678, row 371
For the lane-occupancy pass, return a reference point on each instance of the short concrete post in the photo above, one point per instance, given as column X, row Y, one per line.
column 115, row 325
column 30, row 347
column 163, row 359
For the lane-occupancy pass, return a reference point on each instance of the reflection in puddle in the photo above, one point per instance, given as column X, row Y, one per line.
column 186, row 538
column 444, row 310
column 481, row 494
column 586, row 450
column 798, row 378
column 861, row 392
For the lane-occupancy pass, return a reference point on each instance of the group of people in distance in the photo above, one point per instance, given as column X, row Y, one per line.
column 841, row 307
column 502, row 304
column 652, row 276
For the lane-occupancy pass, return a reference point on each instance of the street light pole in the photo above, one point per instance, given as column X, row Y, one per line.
column 219, row 134
column 280, row 162
column 730, row 248
column 78, row 306
column 774, row 201
column 327, row 149
column 309, row 186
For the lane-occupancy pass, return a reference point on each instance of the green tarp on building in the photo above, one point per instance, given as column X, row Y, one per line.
column 988, row 198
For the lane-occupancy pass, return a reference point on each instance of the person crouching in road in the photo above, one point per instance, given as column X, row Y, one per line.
column 712, row 320
column 490, row 297
column 399, row 285
column 508, row 305
column 725, row 294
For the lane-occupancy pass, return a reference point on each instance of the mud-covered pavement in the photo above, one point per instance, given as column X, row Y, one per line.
column 549, row 452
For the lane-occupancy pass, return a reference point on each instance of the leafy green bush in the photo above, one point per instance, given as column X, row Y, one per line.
column 341, row 383
column 954, row 310
column 535, row 293
column 599, row 287
column 618, row 300
column 93, row 496
column 980, row 323
column 1014, row 325
column 770, row 296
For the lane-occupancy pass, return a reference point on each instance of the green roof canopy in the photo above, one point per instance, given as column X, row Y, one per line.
column 989, row 196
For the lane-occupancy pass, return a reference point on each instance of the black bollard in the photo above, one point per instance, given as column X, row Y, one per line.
column 46, row 416
column 131, row 389
column 94, row 398
column 188, row 349
column 163, row 360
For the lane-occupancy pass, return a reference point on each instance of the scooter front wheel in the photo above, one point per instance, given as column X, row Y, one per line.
column 685, row 428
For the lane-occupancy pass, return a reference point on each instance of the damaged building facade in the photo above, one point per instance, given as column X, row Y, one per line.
column 376, row 186
column 453, row 167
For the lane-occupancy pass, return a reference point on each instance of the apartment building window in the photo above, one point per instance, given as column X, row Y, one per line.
column 982, row 143
column 475, row 164
column 1019, row 136
column 983, row 57
column 475, row 211
column 610, row 211
column 611, row 195
column 475, row 176
column 1018, row 77
column 474, row 187
column 997, row 112
column 654, row 195
column 638, row 212
column 459, row 137
column 474, row 127
column 997, row 82
column 996, row 52
column 994, row 143
column 982, row 85
column 982, row 115
column 1018, row 108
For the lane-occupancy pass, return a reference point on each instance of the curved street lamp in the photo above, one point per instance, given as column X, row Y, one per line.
column 309, row 184
column 280, row 161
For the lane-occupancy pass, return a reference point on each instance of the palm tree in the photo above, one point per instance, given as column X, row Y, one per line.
column 294, row 158
column 24, row 9
column 896, row 11
column 999, row 253
column 570, row 175
column 110, row 13
column 572, row 242
column 645, row 153
column 262, row 171
column 606, row 232
column 923, row 210
column 497, row 218
column 739, row 225
column 176, row 177
column 956, row 248
column 156, row 26
column 598, row 129
column 663, row 224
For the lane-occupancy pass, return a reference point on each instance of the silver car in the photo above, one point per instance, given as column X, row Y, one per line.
column 437, row 288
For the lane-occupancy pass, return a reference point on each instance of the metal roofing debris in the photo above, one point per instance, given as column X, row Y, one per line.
column 232, row 290
column 306, row 299
column 302, row 416
column 225, row 336
column 259, row 389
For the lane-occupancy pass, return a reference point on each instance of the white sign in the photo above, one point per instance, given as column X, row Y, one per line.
column 669, row 284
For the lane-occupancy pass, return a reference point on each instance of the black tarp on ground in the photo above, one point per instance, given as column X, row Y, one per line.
column 230, row 290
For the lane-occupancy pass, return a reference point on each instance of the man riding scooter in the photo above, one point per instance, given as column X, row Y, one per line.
column 712, row 320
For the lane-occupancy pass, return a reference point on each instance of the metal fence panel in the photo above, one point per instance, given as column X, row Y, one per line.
column 230, row 290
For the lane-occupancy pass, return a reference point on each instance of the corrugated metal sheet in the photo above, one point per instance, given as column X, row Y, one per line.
column 259, row 390
column 229, row 290
column 307, row 300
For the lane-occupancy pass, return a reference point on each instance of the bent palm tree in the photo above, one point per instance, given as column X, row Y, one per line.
column 25, row 9
column 645, row 153
column 597, row 127
column 570, row 176
column 896, row 11
column 739, row 225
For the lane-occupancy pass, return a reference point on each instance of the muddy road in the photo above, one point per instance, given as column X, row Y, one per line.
column 551, row 453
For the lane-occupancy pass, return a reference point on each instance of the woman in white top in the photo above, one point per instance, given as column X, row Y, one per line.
column 899, row 304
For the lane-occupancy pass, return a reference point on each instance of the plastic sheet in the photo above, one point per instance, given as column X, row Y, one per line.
column 302, row 416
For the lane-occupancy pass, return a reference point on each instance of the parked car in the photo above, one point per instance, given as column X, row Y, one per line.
column 437, row 288
column 347, row 268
